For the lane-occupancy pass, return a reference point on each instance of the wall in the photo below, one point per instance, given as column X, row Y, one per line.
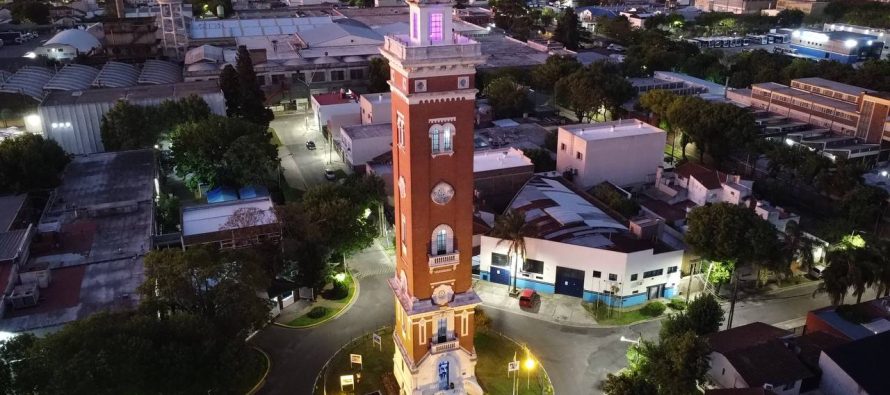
column 335, row 116
column 590, row 259
column 723, row 373
column 835, row 381
column 360, row 152
column 623, row 161
column 375, row 108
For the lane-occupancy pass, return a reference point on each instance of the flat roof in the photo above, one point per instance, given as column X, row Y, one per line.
column 10, row 206
column 369, row 131
column 859, row 359
column 499, row 159
column 133, row 93
column 833, row 85
column 611, row 130
column 213, row 217
column 808, row 96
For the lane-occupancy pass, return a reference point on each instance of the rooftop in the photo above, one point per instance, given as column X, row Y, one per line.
column 769, row 362
column 875, row 316
column 220, row 28
column 499, row 159
column 807, row 96
column 611, row 130
column 709, row 178
column 326, row 99
column 214, row 217
column 103, row 218
column 369, row 131
column 859, row 359
column 133, row 93
column 744, row 336
column 10, row 206
column 833, row 85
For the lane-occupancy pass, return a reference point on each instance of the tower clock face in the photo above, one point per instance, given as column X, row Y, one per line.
column 442, row 193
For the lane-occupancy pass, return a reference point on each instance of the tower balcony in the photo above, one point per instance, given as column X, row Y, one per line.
column 444, row 260
column 458, row 46
column 444, row 346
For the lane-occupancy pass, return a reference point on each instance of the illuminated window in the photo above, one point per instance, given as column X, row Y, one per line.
column 400, row 124
column 436, row 27
column 414, row 25
column 446, row 138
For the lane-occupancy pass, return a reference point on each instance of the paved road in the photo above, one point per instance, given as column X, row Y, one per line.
column 302, row 167
column 577, row 359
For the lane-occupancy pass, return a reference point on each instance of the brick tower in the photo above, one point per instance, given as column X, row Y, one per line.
column 433, row 113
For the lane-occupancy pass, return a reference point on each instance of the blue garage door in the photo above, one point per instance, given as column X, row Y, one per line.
column 569, row 281
column 500, row 275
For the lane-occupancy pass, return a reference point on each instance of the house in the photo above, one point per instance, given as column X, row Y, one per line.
column 575, row 248
column 230, row 224
column 691, row 185
column 68, row 44
column 777, row 216
column 375, row 108
column 856, row 368
column 336, row 109
column 359, row 144
column 851, row 322
column 755, row 356
column 498, row 174
column 623, row 152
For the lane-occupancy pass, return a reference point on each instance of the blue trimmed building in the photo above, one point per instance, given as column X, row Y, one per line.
column 844, row 47
column 577, row 249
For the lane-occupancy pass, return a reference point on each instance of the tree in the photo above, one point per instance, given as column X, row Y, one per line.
column 127, row 126
column 704, row 314
column 628, row 384
column 541, row 159
column 252, row 97
column 616, row 201
column 797, row 247
column 568, row 29
column 33, row 11
column 658, row 101
column 29, row 162
column 511, row 228
column 850, row 269
column 507, row 98
column 864, row 206
column 506, row 11
column 545, row 76
column 547, row 17
column 168, row 213
column 378, row 75
column 678, row 364
column 881, row 270
column 228, row 83
column 577, row 93
column 790, row 18
column 219, row 150
column 618, row 29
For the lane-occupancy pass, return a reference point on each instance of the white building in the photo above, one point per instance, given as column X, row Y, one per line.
column 361, row 143
column 376, row 108
column 335, row 110
column 621, row 152
column 579, row 250
column 702, row 185
column 775, row 215
column 67, row 44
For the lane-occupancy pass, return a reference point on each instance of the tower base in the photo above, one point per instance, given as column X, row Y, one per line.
column 445, row 373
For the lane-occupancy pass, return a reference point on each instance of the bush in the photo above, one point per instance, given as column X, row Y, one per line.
column 317, row 312
column 653, row 309
column 677, row 304
column 339, row 291
column 480, row 320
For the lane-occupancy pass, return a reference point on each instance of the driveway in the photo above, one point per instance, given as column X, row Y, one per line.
column 577, row 359
column 303, row 168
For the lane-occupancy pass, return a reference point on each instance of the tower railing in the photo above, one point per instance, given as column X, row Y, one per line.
column 444, row 259
column 457, row 47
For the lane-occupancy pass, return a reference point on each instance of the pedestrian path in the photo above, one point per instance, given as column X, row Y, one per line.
column 559, row 309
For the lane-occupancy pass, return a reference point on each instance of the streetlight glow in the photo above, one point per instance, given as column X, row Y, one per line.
column 529, row 364
column 340, row 277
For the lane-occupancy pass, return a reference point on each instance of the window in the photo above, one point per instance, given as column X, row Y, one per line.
column 435, row 132
column 338, row 75
column 356, row 74
column 653, row 273
column 464, row 324
column 633, row 277
column 415, row 22
column 533, row 266
column 562, row 147
column 400, row 123
column 441, row 241
column 318, row 76
column 404, row 232
column 613, row 277
column 435, row 27
column 672, row 269
column 597, row 274
column 446, row 138
column 499, row 259
column 578, row 155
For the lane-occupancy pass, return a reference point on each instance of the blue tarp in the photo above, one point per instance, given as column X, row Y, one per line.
column 251, row 191
column 221, row 194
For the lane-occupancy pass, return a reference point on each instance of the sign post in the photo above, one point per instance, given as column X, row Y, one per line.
column 347, row 381
column 376, row 339
column 513, row 366
column 355, row 359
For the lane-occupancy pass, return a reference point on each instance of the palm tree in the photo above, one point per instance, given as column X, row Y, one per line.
column 881, row 253
column 835, row 281
column 798, row 247
column 512, row 229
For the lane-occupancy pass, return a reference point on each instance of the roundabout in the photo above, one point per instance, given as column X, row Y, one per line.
column 494, row 351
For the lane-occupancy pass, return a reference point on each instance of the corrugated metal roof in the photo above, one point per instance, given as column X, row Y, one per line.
column 29, row 81
column 158, row 72
column 117, row 75
column 10, row 243
column 73, row 77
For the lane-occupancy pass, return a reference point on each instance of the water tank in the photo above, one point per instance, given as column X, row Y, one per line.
column 220, row 11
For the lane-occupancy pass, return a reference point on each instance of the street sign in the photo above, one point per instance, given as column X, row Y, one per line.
column 376, row 339
column 355, row 359
column 513, row 366
column 347, row 381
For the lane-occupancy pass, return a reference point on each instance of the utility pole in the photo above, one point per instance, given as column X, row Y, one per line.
column 689, row 283
column 735, row 292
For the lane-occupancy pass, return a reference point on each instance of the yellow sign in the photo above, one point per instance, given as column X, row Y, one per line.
column 347, row 381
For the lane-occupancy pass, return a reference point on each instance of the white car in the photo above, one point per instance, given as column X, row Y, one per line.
column 816, row 271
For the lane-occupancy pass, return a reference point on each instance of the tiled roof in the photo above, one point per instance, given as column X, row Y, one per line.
column 768, row 363
column 744, row 336
column 710, row 178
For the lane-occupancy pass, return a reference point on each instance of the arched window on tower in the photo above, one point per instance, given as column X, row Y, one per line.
column 441, row 138
column 436, row 139
column 447, row 137
column 442, row 240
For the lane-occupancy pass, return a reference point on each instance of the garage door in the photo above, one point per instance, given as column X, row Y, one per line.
column 500, row 275
column 569, row 281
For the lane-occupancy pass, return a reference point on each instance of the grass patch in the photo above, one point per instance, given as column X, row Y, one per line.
column 494, row 352
column 306, row 320
column 255, row 367
column 331, row 309
column 677, row 304
column 345, row 294
column 375, row 364
column 605, row 315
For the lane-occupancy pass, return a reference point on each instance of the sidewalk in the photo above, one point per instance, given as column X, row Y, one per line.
column 559, row 309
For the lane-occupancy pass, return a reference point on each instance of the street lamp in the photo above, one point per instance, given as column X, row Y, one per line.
column 529, row 365
column 626, row 340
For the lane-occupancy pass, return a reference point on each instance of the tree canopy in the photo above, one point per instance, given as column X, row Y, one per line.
column 127, row 126
column 568, row 29
column 507, row 98
column 33, row 11
column 728, row 232
column 244, row 98
column 593, row 92
column 219, row 151
column 378, row 75
column 30, row 162
column 544, row 77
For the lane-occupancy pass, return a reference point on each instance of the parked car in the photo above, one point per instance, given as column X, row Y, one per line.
column 528, row 298
column 330, row 175
column 310, row 145
column 816, row 271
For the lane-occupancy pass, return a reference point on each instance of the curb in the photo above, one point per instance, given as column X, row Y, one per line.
column 541, row 365
column 569, row 324
column 331, row 358
column 260, row 384
column 333, row 317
